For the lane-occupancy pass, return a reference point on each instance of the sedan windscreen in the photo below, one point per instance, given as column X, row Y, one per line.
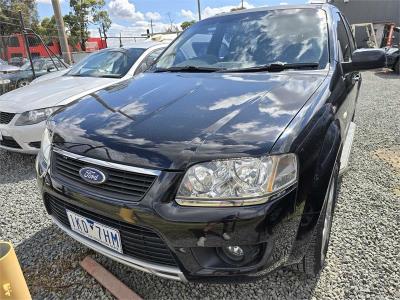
column 247, row 40
column 111, row 63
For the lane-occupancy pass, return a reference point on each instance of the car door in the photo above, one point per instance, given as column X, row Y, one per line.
column 352, row 79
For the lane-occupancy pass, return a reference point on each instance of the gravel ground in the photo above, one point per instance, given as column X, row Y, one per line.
column 363, row 259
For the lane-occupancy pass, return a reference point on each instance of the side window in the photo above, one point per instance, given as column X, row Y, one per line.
column 38, row 65
column 343, row 38
column 148, row 61
column 349, row 34
column 50, row 65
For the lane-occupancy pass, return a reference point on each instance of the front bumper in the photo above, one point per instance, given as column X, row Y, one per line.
column 23, row 139
column 193, row 235
column 159, row 270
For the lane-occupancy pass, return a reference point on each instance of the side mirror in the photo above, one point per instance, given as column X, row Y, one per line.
column 366, row 59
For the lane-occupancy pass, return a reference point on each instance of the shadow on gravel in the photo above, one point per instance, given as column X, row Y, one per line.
column 15, row 167
column 50, row 262
column 387, row 74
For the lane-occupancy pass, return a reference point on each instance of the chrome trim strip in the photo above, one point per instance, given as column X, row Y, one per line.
column 159, row 270
column 221, row 203
column 107, row 164
column 346, row 151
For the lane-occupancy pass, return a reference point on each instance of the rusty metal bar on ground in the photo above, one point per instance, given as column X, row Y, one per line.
column 108, row 280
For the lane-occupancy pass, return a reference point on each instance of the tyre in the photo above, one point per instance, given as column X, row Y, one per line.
column 397, row 67
column 23, row 82
column 314, row 260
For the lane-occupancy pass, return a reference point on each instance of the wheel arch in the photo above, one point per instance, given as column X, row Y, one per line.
column 318, row 147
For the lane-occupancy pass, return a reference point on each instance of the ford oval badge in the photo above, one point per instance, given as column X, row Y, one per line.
column 92, row 175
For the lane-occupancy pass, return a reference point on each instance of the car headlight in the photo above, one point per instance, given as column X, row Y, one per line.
column 45, row 146
column 237, row 182
column 43, row 158
column 35, row 116
column 5, row 81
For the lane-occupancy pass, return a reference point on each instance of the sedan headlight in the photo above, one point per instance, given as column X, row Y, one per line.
column 35, row 116
column 5, row 81
column 237, row 182
column 45, row 151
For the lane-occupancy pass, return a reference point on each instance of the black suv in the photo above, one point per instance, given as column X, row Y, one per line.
column 220, row 162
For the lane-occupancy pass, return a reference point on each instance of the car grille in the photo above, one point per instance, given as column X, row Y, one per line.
column 5, row 117
column 137, row 242
column 120, row 184
column 8, row 141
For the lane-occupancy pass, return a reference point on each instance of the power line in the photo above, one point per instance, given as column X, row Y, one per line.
column 3, row 22
column 15, row 12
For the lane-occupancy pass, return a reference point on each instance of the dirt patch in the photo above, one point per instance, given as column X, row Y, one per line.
column 390, row 156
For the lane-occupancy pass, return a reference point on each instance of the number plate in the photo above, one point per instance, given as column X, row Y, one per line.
column 93, row 230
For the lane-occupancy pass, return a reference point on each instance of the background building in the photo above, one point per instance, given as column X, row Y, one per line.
column 378, row 12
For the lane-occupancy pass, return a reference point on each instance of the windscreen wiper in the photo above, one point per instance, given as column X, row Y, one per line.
column 275, row 67
column 188, row 69
column 110, row 76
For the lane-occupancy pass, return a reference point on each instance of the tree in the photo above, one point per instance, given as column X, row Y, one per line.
column 47, row 29
column 9, row 15
column 85, row 12
column 9, row 19
column 187, row 24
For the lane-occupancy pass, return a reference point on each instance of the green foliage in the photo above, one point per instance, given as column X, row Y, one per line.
column 187, row 24
column 83, row 13
column 47, row 29
column 9, row 14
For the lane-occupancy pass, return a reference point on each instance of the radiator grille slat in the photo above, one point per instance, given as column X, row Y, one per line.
column 8, row 141
column 6, row 117
column 120, row 184
column 138, row 242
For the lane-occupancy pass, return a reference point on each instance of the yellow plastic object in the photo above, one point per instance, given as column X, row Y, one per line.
column 12, row 281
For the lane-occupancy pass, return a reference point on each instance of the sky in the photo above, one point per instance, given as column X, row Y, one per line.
column 132, row 17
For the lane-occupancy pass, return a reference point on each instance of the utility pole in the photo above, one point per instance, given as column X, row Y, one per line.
column 104, row 33
column 28, row 51
column 199, row 9
column 61, row 31
column 151, row 26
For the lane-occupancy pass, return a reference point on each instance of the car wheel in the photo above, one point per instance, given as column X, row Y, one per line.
column 23, row 82
column 314, row 260
column 397, row 67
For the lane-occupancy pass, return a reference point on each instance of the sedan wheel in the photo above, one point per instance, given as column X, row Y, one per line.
column 22, row 83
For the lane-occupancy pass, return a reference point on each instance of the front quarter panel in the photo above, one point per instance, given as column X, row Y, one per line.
column 315, row 136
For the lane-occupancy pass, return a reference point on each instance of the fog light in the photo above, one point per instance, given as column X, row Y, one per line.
column 234, row 252
column 239, row 255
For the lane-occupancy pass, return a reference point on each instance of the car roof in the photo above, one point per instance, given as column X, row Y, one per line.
column 144, row 45
column 137, row 45
column 268, row 8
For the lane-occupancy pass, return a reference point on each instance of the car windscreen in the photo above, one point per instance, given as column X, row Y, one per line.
column 252, row 39
column 37, row 65
column 110, row 63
